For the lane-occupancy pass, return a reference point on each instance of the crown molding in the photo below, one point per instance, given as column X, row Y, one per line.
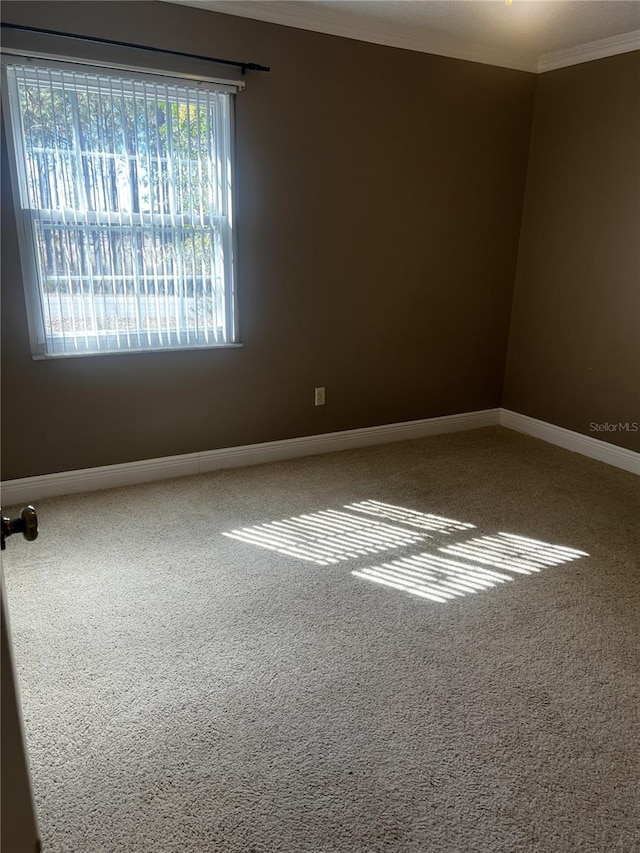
column 588, row 52
column 304, row 17
column 307, row 17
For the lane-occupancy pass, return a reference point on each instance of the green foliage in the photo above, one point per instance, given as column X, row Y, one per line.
column 140, row 154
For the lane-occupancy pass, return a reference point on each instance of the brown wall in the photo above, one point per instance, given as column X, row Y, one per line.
column 574, row 347
column 379, row 202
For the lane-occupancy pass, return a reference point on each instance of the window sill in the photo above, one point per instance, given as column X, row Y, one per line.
column 167, row 350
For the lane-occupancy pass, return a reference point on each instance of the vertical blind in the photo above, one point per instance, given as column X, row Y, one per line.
column 125, row 190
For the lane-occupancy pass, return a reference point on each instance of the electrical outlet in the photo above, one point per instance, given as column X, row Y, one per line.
column 319, row 396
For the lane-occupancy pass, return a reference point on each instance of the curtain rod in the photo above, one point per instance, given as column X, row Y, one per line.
column 244, row 66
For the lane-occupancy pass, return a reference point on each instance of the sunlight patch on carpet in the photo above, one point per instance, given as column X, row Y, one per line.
column 440, row 574
column 326, row 537
column 401, row 515
column 480, row 564
column 433, row 577
column 515, row 553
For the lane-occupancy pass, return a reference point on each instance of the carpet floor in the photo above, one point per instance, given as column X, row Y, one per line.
column 425, row 647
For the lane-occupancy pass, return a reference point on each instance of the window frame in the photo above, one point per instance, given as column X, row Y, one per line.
column 116, row 344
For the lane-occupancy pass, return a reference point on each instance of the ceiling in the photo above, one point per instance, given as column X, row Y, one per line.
column 532, row 35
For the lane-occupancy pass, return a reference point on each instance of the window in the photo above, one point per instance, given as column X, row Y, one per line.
column 124, row 185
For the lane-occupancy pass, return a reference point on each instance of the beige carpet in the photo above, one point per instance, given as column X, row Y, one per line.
column 358, row 679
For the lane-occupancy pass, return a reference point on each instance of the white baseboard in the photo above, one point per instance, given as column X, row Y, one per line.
column 603, row 451
column 129, row 473
column 148, row 470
